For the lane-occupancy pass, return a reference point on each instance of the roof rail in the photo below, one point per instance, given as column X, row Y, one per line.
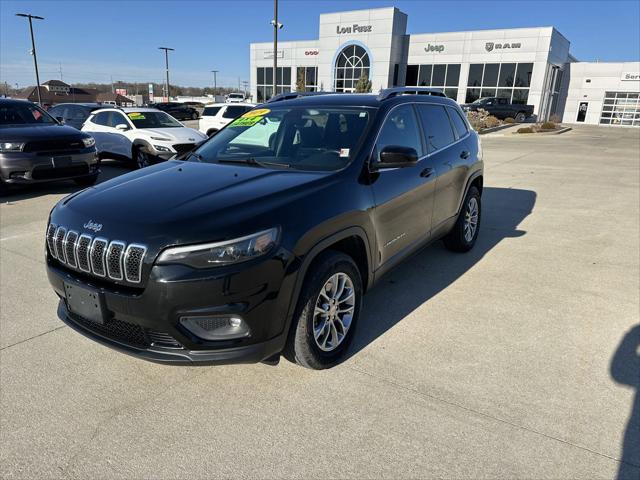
column 291, row 95
column 392, row 92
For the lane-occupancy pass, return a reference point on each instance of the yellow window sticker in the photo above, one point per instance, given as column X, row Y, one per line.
column 260, row 112
column 245, row 122
column 136, row 116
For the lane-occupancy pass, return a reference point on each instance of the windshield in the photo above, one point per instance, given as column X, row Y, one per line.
column 24, row 114
column 236, row 95
column 320, row 139
column 153, row 120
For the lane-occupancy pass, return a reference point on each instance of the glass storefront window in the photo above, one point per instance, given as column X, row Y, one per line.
column 512, row 80
column 352, row 63
column 265, row 82
column 309, row 75
column 440, row 76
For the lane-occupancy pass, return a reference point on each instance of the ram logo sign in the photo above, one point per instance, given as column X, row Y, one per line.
column 491, row 46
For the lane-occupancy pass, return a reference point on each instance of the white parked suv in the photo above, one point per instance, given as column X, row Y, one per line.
column 217, row 115
column 235, row 98
column 141, row 135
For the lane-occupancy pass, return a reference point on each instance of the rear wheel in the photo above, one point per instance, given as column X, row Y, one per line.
column 464, row 233
column 140, row 158
column 194, row 116
column 327, row 312
column 520, row 117
column 211, row 133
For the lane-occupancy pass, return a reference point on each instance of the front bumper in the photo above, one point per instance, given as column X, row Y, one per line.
column 145, row 322
column 36, row 167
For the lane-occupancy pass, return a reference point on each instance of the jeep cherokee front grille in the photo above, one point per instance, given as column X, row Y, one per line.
column 103, row 258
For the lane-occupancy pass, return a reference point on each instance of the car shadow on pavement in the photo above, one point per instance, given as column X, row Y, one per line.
column 430, row 271
column 625, row 370
column 108, row 170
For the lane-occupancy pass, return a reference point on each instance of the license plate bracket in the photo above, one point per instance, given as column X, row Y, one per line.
column 85, row 302
column 61, row 162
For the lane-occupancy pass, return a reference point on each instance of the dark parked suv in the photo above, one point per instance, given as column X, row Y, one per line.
column 34, row 147
column 264, row 240
column 179, row 111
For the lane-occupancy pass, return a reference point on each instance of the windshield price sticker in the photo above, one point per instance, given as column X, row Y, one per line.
column 260, row 112
column 136, row 116
column 245, row 121
column 344, row 152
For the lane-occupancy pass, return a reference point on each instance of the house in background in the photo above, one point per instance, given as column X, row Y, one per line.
column 56, row 91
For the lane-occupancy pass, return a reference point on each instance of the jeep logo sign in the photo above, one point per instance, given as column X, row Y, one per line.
column 355, row 28
column 491, row 46
column 434, row 48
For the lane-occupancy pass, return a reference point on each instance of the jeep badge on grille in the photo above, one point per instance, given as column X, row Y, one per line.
column 91, row 225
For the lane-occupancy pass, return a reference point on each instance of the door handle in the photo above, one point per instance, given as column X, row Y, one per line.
column 427, row 172
column 464, row 155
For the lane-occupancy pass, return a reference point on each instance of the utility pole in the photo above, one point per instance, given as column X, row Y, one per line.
column 166, row 63
column 60, row 71
column 276, row 27
column 245, row 84
column 33, row 49
column 215, row 81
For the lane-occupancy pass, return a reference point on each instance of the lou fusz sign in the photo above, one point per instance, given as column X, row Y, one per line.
column 355, row 28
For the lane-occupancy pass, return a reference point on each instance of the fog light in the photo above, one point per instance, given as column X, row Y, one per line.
column 17, row 174
column 223, row 327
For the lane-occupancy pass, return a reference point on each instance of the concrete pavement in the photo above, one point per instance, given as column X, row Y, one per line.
column 493, row 364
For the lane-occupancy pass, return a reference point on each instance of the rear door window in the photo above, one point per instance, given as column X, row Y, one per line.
column 234, row 111
column 210, row 111
column 437, row 127
column 459, row 124
column 101, row 118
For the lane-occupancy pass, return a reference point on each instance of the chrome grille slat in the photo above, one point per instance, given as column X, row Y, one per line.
column 51, row 233
column 69, row 247
column 97, row 254
column 114, row 260
column 115, row 252
column 59, row 243
column 133, row 262
column 82, row 252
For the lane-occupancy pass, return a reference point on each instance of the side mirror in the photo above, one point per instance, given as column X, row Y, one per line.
column 396, row 156
column 122, row 127
column 60, row 119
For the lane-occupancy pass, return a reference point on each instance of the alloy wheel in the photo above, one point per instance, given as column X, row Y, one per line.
column 333, row 312
column 471, row 219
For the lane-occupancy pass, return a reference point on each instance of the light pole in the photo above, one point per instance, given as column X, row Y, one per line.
column 215, row 81
column 276, row 27
column 166, row 62
column 33, row 48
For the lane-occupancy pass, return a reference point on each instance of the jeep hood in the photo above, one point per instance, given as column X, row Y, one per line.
column 186, row 202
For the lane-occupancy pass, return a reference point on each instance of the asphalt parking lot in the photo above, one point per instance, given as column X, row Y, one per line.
column 520, row 359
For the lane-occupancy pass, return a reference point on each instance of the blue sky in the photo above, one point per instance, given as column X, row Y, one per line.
column 94, row 39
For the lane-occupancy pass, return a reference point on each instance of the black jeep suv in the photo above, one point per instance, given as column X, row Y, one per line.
column 264, row 239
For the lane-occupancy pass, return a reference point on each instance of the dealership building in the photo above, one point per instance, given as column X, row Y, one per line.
column 526, row 65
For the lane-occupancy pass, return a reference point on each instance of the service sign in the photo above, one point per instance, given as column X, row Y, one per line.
column 630, row 76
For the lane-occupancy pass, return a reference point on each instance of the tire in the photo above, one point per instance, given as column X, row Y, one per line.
column 211, row 133
column 140, row 158
column 463, row 236
column 194, row 116
column 4, row 188
column 304, row 345
column 86, row 181
column 520, row 117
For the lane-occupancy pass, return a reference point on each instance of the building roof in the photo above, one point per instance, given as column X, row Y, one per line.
column 113, row 97
column 74, row 95
column 56, row 83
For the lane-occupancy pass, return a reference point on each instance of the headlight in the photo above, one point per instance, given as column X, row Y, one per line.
column 209, row 255
column 11, row 147
column 162, row 139
column 89, row 142
column 160, row 148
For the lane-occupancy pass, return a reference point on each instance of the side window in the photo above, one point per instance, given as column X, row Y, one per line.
column 437, row 127
column 101, row 118
column 118, row 119
column 234, row 111
column 400, row 128
column 210, row 111
column 56, row 112
column 502, row 101
column 458, row 123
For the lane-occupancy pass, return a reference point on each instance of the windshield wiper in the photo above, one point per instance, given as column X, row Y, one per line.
column 253, row 161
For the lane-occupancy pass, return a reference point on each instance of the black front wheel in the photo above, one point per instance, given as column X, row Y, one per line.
column 327, row 312
column 194, row 116
column 140, row 158
column 520, row 117
column 464, row 233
